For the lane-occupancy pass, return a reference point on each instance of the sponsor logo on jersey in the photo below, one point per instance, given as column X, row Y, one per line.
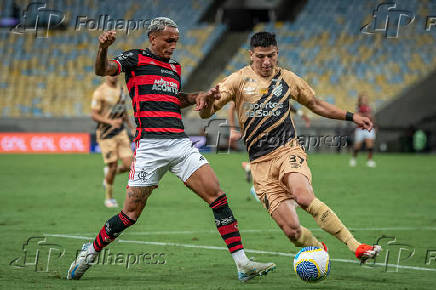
column 167, row 71
column 249, row 91
column 277, row 91
column 165, row 86
column 263, row 110
column 263, row 91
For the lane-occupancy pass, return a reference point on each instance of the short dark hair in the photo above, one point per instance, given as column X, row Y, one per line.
column 263, row 39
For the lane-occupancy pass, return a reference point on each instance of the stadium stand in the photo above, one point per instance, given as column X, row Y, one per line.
column 54, row 76
column 339, row 61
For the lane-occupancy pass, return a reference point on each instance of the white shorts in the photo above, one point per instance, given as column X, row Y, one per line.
column 362, row 134
column 154, row 157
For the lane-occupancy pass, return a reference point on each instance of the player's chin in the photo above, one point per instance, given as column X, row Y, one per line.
column 168, row 54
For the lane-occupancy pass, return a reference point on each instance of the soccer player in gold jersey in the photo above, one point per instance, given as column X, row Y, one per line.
column 109, row 110
column 262, row 92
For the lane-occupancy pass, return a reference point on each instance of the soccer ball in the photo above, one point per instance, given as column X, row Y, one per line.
column 312, row 264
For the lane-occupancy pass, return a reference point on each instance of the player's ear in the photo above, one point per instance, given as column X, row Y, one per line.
column 251, row 55
column 152, row 37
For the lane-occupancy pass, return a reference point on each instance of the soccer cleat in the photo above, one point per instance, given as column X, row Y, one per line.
column 325, row 247
column 253, row 193
column 252, row 269
column 105, row 171
column 82, row 263
column 371, row 164
column 353, row 162
column 365, row 252
column 111, row 203
column 246, row 167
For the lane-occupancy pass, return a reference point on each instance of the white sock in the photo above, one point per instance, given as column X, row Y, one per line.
column 91, row 249
column 240, row 258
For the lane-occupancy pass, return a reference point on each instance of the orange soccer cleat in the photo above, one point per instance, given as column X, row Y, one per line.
column 365, row 252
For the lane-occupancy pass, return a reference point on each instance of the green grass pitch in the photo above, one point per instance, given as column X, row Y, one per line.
column 59, row 198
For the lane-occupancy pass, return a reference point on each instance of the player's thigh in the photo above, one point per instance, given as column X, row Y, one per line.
column 300, row 188
column 205, row 183
column 286, row 217
column 193, row 169
column 369, row 143
column 359, row 137
column 150, row 163
column 266, row 184
column 295, row 175
column 108, row 148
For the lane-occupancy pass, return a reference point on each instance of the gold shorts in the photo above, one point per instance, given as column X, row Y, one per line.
column 116, row 147
column 268, row 172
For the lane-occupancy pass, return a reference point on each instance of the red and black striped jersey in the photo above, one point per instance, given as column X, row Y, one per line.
column 154, row 85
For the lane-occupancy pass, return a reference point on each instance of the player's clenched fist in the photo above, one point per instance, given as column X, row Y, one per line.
column 107, row 38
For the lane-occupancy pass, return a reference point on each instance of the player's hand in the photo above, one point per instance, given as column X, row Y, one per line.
column 116, row 123
column 362, row 122
column 107, row 38
column 204, row 100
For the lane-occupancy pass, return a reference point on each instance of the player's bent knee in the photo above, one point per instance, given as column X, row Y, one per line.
column 303, row 196
column 292, row 232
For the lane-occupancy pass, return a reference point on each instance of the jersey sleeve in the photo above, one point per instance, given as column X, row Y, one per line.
column 303, row 93
column 96, row 100
column 127, row 61
column 228, row 90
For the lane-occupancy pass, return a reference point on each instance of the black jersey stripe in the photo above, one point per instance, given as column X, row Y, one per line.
column 159, row 106
column 272, row 140
column 160, row 122
column 270, row 121
column 274, row 99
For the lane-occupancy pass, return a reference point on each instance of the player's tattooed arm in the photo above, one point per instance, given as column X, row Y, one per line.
column 201, row 99
column 103, row 67
column 187, row 99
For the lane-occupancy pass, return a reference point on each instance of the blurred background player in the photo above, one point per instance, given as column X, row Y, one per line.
column 109, row 110
column 235, row 136
column 362, row 135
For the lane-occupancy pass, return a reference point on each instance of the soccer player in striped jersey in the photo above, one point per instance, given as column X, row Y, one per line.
column 262, row 93
column 153, row 80
column 108, row 109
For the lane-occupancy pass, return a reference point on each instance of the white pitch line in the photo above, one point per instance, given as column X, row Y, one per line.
column 225, row 249
column 277, row 230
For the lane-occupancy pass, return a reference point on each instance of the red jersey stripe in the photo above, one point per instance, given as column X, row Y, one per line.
column 171, row 130
column 235, row 248
column 157, row 114
column 150, row 79
column 158, row 98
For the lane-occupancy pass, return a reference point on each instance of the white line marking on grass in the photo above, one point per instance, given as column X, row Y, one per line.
column 225, row 249
column 277, row 230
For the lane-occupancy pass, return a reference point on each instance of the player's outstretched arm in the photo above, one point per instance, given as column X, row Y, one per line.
column 327, row 110
column 103, row 67
column 202, row 100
